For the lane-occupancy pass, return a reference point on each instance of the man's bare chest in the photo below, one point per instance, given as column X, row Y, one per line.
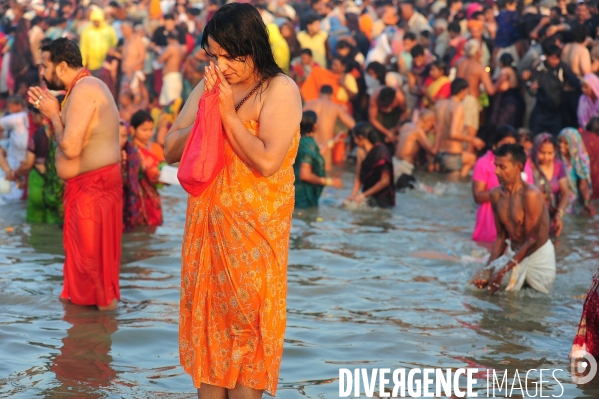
column 511, row 214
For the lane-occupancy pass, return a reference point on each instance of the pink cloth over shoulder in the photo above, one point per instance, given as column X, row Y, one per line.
column 203, row 157
column 484, row 171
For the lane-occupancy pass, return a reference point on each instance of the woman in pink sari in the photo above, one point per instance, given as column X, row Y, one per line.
column 588, row 105
column 484, row 179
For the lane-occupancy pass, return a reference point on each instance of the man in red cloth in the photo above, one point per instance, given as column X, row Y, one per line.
column 88, row 159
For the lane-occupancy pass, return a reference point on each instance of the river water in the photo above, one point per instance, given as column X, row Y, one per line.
column 367, row 289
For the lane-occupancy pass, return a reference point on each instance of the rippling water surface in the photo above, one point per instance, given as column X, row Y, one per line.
column 367, row 289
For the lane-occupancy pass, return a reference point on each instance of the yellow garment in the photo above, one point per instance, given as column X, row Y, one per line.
column 279, row 46
column 95, row 41
column 351, row 84
column 317, row 44
column 155, row 9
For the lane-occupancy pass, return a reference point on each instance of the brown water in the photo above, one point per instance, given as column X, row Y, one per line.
column 367, row 289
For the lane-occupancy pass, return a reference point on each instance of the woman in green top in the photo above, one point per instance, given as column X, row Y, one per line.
column 310, row 177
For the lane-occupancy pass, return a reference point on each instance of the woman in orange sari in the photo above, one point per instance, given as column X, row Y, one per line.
column 236, row 239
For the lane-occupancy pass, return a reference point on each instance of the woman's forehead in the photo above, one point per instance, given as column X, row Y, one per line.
column 214, row 47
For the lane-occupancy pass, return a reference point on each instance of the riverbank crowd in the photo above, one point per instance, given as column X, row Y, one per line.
column 504, row 94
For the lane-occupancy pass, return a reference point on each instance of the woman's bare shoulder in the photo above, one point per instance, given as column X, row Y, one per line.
column 283, row 84
column 282, row 93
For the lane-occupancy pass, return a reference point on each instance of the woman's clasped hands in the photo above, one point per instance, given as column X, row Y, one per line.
column 226, row 100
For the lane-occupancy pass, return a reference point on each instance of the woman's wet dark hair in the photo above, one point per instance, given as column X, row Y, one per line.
column 506, row 60
column 502, row 133
column 440, row 65
column 367, row 131
column 309, row 119
column 379, row 70
column 139, row 118
column 238, row 28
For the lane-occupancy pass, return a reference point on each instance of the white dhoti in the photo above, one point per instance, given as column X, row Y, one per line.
column 537, row 270
column 401, row 167
column 172, row 86
column 14, row 193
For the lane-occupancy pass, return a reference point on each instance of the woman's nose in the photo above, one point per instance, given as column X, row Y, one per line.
column 222, row 65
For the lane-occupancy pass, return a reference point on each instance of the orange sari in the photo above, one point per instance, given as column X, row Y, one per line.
column 234, row 274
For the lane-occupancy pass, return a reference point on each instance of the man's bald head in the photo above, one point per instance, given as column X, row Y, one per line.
column 472, row 48
column 427, row 119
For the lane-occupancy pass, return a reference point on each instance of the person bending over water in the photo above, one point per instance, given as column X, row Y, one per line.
column 309, row 166
column 484, row 179
column 451, row 157
column 328, row 113
column 412, row 138
column 520, row 215
column 374, row 170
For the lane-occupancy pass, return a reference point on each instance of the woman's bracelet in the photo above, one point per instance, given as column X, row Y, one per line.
column 587, row 202
column 330, row 143
column 560, row 213
column 328, row 181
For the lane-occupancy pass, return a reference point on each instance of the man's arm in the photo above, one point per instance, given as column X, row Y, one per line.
column 485, row 277
column 487, row 82
column 82, row 105
column 26, row 165
column 346, row 118
column 373, row 111
column 4, row 163
column 165, row 55
column 585, row 61
column 423, row 141
column 571, row 78
column 457, row 130
column 499, row 244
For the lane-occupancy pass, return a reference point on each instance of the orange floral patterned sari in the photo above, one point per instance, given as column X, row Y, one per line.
column 234, row 275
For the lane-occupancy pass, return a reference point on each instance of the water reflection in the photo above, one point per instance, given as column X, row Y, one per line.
column 366, row 289
column 83, row 366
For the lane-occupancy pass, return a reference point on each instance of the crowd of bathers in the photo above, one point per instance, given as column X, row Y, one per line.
column 394, row 86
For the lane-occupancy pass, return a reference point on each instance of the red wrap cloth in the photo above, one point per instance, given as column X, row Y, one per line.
column 93, row 207
column 204, row 154
column 587, row 336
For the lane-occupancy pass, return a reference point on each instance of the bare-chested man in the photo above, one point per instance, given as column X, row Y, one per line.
column 578, row 58
column 412, row 138
column 134, row 52
column 172, row 57
column 386, row 110
column 451, row 157
column 473, row 71
column 328, row 113
column 520, row 215
column 86, row 131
